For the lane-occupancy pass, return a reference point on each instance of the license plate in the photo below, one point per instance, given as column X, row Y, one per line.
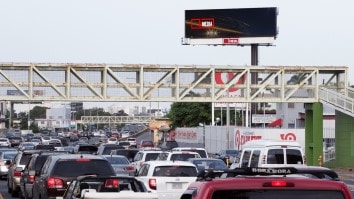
column 176, row 185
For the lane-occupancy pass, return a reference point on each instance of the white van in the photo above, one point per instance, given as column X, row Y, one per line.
column 270, row 153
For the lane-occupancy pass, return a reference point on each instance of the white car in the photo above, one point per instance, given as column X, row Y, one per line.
column 112, row 140
column 144, row 156
column 177, row 155
column 169, row 179
column 5, row 142
column 202, row 151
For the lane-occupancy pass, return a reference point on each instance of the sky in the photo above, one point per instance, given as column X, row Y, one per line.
column 311, row 33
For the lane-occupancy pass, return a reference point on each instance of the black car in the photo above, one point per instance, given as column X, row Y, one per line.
column 59, row 170
column 169, row 145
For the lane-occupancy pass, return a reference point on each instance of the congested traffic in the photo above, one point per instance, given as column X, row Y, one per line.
column 101, row 167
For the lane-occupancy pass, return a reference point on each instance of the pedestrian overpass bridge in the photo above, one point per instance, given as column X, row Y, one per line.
column 312, row 85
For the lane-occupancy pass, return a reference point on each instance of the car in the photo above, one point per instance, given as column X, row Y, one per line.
column 84, row 139
column 146, row 143
column 15, row 141
column 5, row 142
column 169, row 179
column 124, row 144
column 26, row 146
column 121, row 164
column 107, row 187
column 169, row 145
column 268, row 183
column 35, row 141
column 85, row 148
column 270, row 153
column 132, row 142
column 177, row 155
column 59, row 170
column 101, row 140
column 227, row 155
column 202, row 151
column 5, row 159
column 208, row 163
column 112, row 140
column 144, row 156
column 15, row 170
column 31, row 171
column 105, row 149
column 128, row 153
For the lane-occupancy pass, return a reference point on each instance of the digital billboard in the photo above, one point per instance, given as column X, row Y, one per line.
column 232, row 26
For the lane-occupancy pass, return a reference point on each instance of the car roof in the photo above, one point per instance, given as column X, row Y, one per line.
column 77, row 156
column 155, row 163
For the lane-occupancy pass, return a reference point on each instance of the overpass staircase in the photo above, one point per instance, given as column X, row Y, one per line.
column 340, row 100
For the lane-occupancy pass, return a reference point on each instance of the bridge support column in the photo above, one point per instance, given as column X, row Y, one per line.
column 313, row 133
column 344, row 134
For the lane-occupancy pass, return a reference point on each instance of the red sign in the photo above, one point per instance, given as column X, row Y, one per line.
column 202, row 23
column 230, row 41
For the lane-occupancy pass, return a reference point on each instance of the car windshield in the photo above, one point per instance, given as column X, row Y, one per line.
column 278, row 193
column 82, row 167
column 151, row 156
column 117, row 160
column 210, row 164
column 231, row 152
column 175, row 170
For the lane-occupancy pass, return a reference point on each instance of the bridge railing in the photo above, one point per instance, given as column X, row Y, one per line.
column 338, row 100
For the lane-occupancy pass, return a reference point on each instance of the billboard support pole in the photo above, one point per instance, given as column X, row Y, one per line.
column 254, row 76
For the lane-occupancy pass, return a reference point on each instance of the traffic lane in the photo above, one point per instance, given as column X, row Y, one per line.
column 3, row 189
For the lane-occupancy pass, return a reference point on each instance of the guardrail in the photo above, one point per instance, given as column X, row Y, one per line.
column 338, row 100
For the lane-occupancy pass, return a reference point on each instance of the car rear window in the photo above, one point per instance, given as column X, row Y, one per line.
column 183, row 156
column 25, row 158
column 272, row 194
column 151, row 156
column 82, row 167
column 202, row 153
column 276, row 156
column 175, row 170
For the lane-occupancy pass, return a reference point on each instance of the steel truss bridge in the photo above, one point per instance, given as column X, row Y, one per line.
column 68, row 82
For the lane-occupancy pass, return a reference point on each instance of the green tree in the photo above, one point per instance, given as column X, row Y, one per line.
column 38, row 112
column 190, row 114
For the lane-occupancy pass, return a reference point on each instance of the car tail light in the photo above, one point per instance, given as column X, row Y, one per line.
column 152, row 183
column 111, row 183
column 55, row 183
column 17, row 173
column 31, row 178
column 83, row 160
column 278, row 183
column 129, row 168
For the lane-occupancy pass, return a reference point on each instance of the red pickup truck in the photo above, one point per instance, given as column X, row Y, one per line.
column 305, row 182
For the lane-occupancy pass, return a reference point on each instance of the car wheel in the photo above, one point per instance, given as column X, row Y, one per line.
column 9, row 190
column 14, row 193
column 20, row 194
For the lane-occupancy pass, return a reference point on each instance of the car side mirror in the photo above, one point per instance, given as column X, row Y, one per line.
column 8, row 162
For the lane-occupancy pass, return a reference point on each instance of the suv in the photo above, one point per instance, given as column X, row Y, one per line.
column 269, row 153
column 15, row 170
column 267, row 183
column 177, row 155
column 59, row 170
column 105, row 149
column 168, row 179
column 32, row 170
column 143, row 156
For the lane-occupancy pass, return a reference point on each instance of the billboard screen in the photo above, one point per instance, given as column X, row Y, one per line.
column 231, row 24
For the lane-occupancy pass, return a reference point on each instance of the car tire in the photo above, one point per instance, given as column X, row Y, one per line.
column 9, row 190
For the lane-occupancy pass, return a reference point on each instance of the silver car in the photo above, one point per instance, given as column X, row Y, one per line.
column 120, row 164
